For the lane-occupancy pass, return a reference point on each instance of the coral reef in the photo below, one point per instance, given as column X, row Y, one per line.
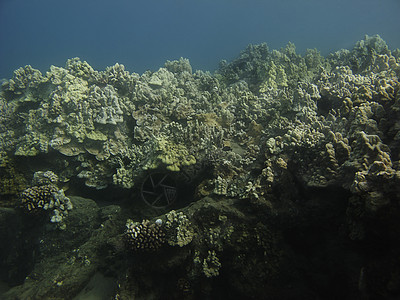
column 286, row 168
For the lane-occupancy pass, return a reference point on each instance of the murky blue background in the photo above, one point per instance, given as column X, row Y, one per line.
column 143, row 34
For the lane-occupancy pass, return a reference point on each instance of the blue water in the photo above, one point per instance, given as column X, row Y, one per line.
column 144, row 34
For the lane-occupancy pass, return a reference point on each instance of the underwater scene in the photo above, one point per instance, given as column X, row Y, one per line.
column 275, row 177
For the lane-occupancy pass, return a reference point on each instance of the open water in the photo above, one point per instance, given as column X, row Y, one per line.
column 142, row 35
